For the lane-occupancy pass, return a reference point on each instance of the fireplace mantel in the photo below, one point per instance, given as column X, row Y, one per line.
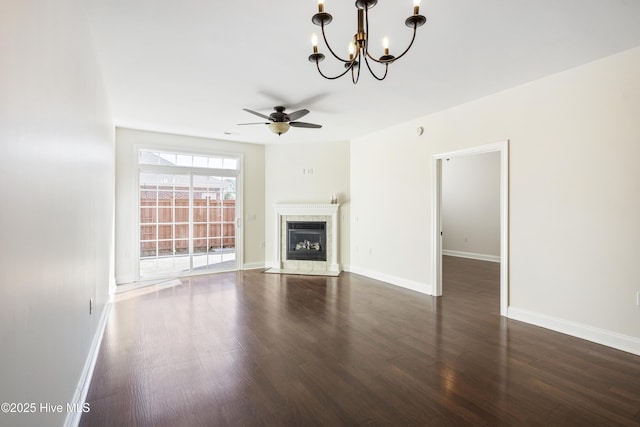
column 314, row 212
column 307, row 208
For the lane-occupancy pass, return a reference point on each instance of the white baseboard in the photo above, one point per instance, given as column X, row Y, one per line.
column 253, row 265
column 80, row 395
column 393, row 280
column 471, row 255
column 600, row 336
column 122, row 280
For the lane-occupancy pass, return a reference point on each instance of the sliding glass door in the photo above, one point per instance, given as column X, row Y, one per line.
column 188, row 220
column 214, row 222
column 164, row 223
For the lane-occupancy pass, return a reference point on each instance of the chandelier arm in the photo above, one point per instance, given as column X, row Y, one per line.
column 355, row 78
column 388, row 61
column 332, row 78
column 326, row 42
column 386, row 69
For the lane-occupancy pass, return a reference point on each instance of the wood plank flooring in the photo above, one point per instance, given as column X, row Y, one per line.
column 247, row 348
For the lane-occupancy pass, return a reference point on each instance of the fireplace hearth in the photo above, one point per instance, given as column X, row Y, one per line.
column 306, row 240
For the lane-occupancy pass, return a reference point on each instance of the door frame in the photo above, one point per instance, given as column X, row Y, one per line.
column 186, row 170
column 436, row 223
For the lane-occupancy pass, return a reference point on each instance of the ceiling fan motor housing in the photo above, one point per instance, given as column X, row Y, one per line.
column 279, row 115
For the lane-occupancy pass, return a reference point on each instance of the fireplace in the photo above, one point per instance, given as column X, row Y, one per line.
column 307, row 240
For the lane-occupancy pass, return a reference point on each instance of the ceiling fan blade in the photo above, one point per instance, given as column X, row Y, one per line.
column 305, row 125
column 256, row 113
column 242, row 124
column 298, row 114
column 312, row 100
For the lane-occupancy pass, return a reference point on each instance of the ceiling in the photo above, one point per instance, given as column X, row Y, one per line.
column 191, row 66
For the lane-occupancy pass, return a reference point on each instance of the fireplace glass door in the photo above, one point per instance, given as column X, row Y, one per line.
column 307, row 240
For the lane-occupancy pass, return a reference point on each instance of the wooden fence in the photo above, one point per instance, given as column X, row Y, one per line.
column 166, row 221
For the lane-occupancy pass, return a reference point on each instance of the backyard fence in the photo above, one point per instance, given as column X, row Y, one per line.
column 164, row 225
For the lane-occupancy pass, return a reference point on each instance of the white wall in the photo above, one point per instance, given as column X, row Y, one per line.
column 574, row 192
column 391, row 195
column 308, row 173
column 57, row 192
column 126, row 191
column 471, row 206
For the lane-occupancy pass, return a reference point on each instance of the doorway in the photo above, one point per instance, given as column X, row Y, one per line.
column 189, row 214
column 437, row 232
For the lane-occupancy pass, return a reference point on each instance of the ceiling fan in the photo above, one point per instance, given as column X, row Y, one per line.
column 280, row 121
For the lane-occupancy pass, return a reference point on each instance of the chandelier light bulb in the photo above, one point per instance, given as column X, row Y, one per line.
column 314, row 40
column 320, row 6
column 385, row 45
column 352, row 50
column 416, row 7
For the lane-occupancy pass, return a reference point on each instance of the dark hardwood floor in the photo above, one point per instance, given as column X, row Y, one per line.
column 248, row 348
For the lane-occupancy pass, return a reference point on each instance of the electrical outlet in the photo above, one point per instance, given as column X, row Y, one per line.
column 638, row 298
column 90, row 306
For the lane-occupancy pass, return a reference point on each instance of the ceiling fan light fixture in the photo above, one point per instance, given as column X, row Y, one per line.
column 280, row 121
column 279, row 127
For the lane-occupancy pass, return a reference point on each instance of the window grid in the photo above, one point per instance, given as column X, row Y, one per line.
column 187, row 222
column 168, row 158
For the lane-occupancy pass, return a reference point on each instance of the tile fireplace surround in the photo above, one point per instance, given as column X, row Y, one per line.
column 306, row 212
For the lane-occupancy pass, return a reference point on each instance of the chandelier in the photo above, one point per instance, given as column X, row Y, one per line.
column 359, row 46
